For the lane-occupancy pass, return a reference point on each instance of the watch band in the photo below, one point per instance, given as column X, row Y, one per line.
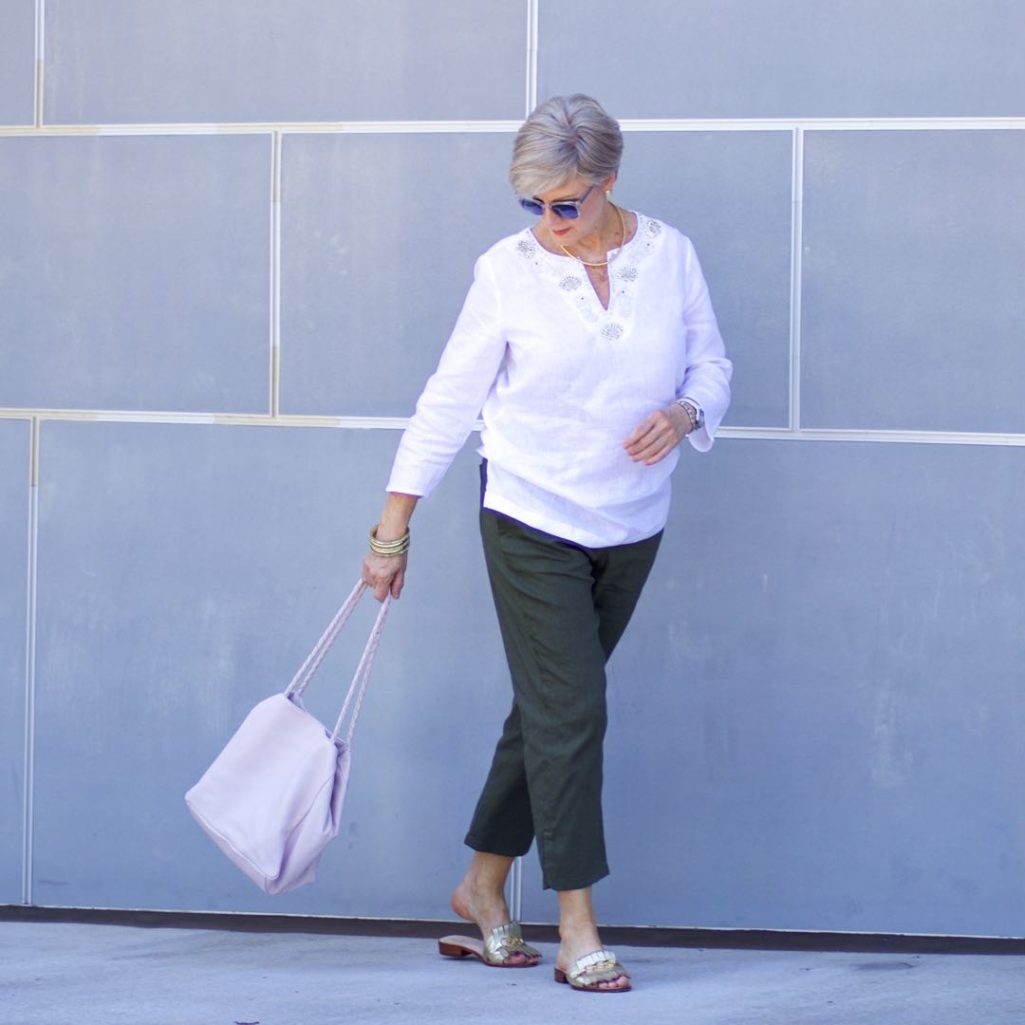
column 694, row 412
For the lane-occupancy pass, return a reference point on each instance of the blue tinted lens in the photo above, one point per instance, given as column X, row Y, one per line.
column 568, row 211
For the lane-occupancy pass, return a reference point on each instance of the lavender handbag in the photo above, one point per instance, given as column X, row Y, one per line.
column 272, row 799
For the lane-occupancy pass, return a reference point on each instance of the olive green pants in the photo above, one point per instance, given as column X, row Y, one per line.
column 562, row 609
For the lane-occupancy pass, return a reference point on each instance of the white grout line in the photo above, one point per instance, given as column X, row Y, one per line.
column 505, row 126
column 516, row 890
column 275, row 277
column 221, row 419
column 854, row 124
column 398, row 423
column 533, row 37
column 263, row 128
column 796, row 271
column 28, row 783
column 40, row 63
column 894, row 437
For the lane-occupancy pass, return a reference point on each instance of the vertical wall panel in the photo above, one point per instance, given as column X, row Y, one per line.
column 184, row 574
column 786, row 58
column 17, row 62
column 14, row 507
column 380, row 235
column 731, row 193
column 134, row 272
column 914, row 244
column 307, row 60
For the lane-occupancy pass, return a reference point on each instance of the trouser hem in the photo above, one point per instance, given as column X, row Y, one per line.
column 488, row 847
column 582, row 882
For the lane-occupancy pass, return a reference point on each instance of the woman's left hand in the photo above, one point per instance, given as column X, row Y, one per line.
column 657, row 435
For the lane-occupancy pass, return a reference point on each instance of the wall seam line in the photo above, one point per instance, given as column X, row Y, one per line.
column 500, row 126
column 275, row 276
column 28, row 782
column 533, row 37
column 40, row 65
column 1009, row 439
column 796, row 277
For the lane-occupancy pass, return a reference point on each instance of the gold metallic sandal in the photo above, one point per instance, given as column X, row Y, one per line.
column 498, row 950
column 591, row 970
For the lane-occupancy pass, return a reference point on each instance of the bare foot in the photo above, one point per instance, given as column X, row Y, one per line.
column 480, row 897
column 571, row 950
column 578, row 934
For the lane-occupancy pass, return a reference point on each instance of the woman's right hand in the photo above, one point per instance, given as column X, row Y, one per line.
column 385, row 574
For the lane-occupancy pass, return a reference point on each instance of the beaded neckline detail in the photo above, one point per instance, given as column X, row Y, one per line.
column 570, row 279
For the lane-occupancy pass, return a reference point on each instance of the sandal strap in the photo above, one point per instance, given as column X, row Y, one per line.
column 505, row 941
column 599, row 966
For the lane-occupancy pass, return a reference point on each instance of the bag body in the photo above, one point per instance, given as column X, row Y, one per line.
column 272, row 799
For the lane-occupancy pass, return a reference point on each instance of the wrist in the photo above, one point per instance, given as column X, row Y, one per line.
column 681, row 419
column 693, row 412
column 395, row 516
column 388, row 547
column 390, row 530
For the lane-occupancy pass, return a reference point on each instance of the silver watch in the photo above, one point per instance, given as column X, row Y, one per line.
column 694, row 412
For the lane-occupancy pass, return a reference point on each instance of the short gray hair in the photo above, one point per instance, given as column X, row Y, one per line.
column 565, row 137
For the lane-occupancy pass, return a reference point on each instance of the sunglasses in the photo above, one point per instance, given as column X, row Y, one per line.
column 566, row 209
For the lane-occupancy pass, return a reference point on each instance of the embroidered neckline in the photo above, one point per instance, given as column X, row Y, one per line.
column 568, row 276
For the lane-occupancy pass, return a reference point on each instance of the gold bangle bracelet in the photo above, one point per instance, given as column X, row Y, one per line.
column 397, row 546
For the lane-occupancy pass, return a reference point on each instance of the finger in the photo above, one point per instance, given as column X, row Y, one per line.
column 654, row 441
column 649, row 455
column 382, row 574
column 367, row 576
column 642, row 435
column 659, row 456
column 657, row 450
column 635, row 435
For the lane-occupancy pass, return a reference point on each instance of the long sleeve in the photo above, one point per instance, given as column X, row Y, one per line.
column 454, row 394
column 708, row 372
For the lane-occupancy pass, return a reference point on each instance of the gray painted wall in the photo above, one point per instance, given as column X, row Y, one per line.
column 234, row 239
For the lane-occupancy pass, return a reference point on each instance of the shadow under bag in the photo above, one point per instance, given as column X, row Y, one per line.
column 272, row 799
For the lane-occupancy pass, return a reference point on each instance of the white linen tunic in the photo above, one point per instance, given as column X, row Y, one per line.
column 560, row 382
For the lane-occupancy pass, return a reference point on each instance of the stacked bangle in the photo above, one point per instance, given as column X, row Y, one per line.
column 388, row 548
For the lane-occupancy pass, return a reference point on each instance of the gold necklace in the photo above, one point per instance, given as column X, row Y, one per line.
column 605, row 263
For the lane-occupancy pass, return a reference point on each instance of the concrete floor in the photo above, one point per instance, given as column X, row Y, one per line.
column 71, row 974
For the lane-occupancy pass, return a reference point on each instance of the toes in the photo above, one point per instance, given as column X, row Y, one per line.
column 524, row 959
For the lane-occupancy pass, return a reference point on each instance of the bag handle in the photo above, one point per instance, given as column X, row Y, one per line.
column 358, row 687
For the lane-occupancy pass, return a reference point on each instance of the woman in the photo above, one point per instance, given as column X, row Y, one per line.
column 588, row 345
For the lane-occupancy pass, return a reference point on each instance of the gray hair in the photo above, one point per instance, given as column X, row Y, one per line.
column 565, row 137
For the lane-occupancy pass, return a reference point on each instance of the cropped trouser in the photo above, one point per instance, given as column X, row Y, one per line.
column 562, row 609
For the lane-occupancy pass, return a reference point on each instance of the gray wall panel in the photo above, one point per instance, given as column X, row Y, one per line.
column 380, row 235
column 816, row 715
column 184, row 574
column 731, row 193
column 784, row 58
column 912, row 316
column 17, row 62
column 14, row 509
column 134, row 273
column 307, row 60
